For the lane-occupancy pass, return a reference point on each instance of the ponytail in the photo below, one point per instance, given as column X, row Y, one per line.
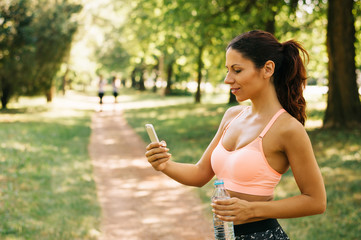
column 289, row 75
column 290, row 80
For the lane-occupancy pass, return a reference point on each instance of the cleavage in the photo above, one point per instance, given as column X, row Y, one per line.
column 240, row 134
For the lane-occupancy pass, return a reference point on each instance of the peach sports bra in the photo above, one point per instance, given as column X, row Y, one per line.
column 246, row 170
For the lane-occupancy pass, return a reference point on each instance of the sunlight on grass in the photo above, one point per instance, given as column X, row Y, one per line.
column 46, row 181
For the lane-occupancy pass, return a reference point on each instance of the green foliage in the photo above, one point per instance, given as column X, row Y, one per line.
column 113, row 58
column 35, row 38
column 357, row 15
column 15, row 46
column 54, row 30
column 157, row 33
column 47, row 191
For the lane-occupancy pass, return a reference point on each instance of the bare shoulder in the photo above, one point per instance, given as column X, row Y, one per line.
column 291, row 130
column 230, row 114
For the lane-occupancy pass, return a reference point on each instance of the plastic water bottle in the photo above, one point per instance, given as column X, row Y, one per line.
column 222, row 230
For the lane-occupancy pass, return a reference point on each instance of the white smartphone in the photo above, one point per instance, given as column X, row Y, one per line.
column 151, row 132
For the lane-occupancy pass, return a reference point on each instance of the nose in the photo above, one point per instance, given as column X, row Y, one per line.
column 228, row 79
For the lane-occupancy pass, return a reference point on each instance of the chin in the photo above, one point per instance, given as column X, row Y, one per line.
column 240, row 99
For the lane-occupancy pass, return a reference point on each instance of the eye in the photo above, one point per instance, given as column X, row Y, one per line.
column 237, row 71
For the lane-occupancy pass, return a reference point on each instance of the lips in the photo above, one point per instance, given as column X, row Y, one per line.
column 234, row 90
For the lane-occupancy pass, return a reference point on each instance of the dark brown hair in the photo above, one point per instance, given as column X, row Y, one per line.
column 289, row 76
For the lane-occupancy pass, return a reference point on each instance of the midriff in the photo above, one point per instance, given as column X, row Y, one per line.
column 250, row 198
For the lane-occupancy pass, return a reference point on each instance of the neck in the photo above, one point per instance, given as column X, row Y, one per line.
column 266, row 102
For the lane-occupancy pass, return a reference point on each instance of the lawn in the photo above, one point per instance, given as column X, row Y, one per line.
column 188, row 128
column 46, row 183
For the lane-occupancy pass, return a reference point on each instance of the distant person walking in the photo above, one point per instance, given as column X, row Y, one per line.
column 115, row 85
column 101, row 86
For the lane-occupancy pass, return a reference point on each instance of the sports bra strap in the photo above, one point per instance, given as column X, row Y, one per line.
column 239, row 114
column 274, row 118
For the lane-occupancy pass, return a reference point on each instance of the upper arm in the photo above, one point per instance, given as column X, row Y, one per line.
column 299, row 152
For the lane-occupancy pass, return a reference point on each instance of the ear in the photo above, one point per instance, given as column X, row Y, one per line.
column 268, row 69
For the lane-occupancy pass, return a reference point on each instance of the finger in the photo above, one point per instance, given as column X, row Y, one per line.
column 227, row 218
column 223, row 201
column 223, row 207
column 158, row 156
column 153, row 145
column 163, row 143
column 156, row 151
column 160, row 161
column 154, row 156
column 223, row 213
column 220, row 205
column 216, row 206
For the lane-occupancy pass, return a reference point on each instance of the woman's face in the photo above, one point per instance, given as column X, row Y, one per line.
column 245, row 80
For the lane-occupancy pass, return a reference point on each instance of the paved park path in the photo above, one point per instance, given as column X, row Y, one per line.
column 137, row 202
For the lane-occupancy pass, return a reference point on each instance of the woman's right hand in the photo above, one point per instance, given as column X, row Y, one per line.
column 157, row 155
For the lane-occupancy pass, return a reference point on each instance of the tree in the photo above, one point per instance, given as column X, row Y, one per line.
column 343, row 102
column 15, row 48
column 54, row 31
column 112, row 56
column 35, row 37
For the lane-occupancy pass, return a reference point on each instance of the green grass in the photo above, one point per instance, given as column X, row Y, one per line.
column 46, row 185
column 188, row 128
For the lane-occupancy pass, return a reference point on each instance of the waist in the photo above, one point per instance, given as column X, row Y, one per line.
column 249, row 197
column 253, row 227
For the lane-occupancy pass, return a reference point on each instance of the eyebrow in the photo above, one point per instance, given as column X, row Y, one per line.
column 234, row 65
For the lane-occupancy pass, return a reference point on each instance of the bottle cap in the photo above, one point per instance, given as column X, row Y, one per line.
column 218, row 182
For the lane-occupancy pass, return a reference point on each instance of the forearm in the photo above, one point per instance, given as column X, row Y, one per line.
column 187, row 174
column 297, row 206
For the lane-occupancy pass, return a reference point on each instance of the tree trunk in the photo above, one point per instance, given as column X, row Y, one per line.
column 156, row 72
column 65, row 80
column 141, row 80
column 343, row 103
column 50, row 94
column 3, row 96
column 167, row 90
column 154, row 89
column 6, row 93
column 199, row 77
column 134, row 82
column 4, row 99
column 270, row 24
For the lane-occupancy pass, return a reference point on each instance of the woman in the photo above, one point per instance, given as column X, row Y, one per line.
column 255, row 145
column 115, row 86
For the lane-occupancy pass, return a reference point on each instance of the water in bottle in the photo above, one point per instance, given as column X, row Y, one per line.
column 222, row 230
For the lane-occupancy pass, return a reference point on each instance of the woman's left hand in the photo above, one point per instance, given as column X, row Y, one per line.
column 232, row 210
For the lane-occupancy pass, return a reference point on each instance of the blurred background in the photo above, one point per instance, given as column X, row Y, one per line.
column 171, row 46
column 169, row 57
